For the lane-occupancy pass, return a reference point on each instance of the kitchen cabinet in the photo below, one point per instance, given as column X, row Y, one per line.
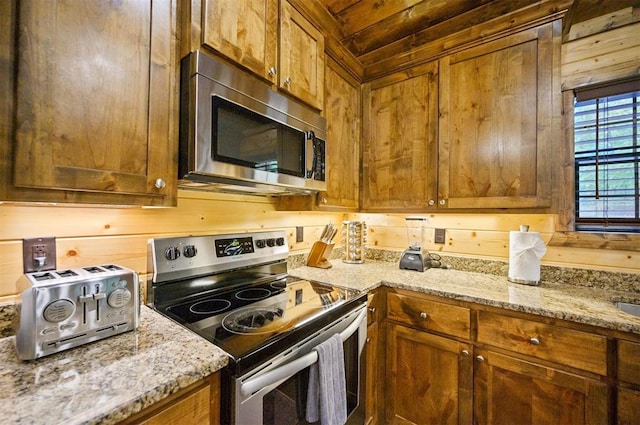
column 374, row 375
column 496, row 109
column 628, row 388
column 399, row 138
column 429, row 375
column 287, row 51
column 94, row 101
column 197, row 404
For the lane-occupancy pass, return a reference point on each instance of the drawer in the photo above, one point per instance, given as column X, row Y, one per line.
column 569, row 347
column 629, row 362
column 429, row 315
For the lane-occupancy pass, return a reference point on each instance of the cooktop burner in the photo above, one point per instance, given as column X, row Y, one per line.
column 254, row 320
column 210, row 307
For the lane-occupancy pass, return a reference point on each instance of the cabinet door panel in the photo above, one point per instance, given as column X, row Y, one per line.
column 429, row 379
column 495, row 123
column 243, row 30
column 399, row 140
column 301, row 57
column 92, row 81
column 507, row 390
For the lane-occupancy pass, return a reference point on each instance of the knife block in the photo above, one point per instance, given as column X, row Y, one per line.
column 318, row 255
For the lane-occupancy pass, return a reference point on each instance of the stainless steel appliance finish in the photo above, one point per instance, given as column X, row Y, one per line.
column 207, row 81
column 63, row 309
column 234, row 290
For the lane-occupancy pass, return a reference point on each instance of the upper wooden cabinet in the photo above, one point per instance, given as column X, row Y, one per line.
column 246, row 32
column 399, row 139
column 495, row 123
column 95, row 94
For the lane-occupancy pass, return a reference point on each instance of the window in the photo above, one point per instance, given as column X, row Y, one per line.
column 607, row 158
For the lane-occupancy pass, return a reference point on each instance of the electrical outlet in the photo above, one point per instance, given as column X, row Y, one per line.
column 39, row 254
column 299, row 234
column 439, row 236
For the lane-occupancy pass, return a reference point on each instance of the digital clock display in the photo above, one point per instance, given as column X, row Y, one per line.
column 235, row 246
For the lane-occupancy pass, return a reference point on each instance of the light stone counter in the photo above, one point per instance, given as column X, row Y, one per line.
column 562, row 301
column 108, row 380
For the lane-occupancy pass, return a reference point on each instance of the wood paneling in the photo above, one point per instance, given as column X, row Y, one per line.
column 601, row 57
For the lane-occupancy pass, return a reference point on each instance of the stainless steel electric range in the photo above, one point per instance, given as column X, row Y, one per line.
column 235, row 291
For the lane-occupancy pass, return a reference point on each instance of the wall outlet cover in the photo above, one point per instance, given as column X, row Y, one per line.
column 439, row 236
column 39, row 254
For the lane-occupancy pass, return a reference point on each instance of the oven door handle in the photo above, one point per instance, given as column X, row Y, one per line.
column 259, row 382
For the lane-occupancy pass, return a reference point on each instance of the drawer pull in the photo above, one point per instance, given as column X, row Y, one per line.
column 534, row 341
column 423, row 315
column 480, row 359
column 465, row 353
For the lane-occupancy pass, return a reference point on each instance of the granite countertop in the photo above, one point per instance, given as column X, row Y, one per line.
column 105, row 381
column 590, row 306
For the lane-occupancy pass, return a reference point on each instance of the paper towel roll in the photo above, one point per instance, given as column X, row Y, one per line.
column 525, row 251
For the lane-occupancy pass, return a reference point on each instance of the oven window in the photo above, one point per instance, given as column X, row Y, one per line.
column 243, row 137
column 286, row 404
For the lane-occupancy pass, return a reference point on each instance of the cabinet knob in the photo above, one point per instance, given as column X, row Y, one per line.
column 273, row 71
column 287, row 80
column 534, row 341
column 324, row 200
column 372, row 309
column 480, row 359
column 160, row 184
column 423, row 315
column 431, row 202
column 465, row 353
column 443, row 201
column 368, row 340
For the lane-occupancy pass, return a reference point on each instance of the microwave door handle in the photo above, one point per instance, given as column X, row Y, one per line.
column 289, row 369
column 309, row 153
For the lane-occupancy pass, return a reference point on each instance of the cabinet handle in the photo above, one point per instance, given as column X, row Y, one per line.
column 368, row 340
column 480, row 359
column 534, row 341
column 287, row 80
column 443, row 201
column 273, row 71
column 431, row 202
column 423, row 315
column 324, row 200
column 372, row 309
column 160, row 184
column 465, row 353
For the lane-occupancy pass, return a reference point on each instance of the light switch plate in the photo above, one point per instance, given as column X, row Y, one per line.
column 39, row 254
column 439, row 236
column 299, row 234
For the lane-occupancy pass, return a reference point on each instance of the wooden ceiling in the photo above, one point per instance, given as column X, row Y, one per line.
column 375, row 30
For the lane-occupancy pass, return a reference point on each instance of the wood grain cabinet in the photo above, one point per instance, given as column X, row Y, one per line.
column 628, row 389
column 495, row 125
column 94, row 96
column 430, row 376
column 374, row 377
column 269, row 38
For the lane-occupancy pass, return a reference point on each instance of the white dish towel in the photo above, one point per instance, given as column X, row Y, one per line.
column 327, row 392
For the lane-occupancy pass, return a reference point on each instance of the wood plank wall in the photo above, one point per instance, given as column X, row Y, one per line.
column 89, row 236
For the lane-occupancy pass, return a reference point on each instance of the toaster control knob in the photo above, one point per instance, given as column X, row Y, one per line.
column 260, row 243
column 172, row 253
column 189, row 251
column 280, row 241
column 119, row 298
column 58, row 310
column 271, row 242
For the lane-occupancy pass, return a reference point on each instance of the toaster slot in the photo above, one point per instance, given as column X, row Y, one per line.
column 59, row 342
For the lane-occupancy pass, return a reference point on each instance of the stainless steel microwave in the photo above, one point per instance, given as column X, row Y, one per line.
column 239, row 135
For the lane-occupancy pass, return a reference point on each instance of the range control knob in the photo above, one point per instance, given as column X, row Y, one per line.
column 271, row 242
column 189, row 251
column 260, row 243
column 172, row 253
column 280, row 241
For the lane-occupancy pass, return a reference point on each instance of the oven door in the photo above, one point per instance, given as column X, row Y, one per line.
column 276, row 393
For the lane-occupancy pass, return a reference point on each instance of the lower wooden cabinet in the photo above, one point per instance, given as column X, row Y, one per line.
column 628, row 390
column 429, row 378
column 509, row 390
column 197, row 404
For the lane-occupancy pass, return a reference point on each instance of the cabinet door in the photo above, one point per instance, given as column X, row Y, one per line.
column 95, row 87
column 301, row 57
column 372, row 382
column 399, row 140
column 495, row 123
column 342, row 110
column 246, row 31
column 508, row 390
column 628, row 407
column 429, row 378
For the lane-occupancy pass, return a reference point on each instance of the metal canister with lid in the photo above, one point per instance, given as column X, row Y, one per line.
column 354, row 238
